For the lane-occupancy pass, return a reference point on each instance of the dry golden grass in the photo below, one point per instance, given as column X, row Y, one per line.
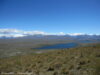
column 74, row 61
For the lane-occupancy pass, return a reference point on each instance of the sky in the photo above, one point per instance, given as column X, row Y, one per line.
column 51, row 16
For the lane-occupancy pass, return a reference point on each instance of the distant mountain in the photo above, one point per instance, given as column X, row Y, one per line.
column 20, row 34
column 50, row 37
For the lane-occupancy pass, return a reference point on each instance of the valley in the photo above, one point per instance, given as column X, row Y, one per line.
column 50, row 56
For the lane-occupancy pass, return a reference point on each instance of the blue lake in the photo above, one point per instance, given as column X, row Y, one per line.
column 87, row 41
column 58, row 46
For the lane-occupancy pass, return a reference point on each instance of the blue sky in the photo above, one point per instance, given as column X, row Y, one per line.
column 52, row 16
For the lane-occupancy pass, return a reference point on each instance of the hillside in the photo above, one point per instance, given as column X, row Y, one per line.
column 74, row 61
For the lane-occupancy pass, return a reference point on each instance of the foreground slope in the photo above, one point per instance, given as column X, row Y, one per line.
column 74, row 61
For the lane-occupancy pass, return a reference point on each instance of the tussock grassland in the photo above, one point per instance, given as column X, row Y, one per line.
column 74, row 61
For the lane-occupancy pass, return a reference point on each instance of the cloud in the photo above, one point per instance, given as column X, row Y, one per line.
column 62, row 33
column 34, row 33
column 12, row 35
column 8, row 31
column 75, row 34
column 20, row 33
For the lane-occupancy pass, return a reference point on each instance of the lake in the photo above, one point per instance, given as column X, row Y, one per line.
column 87, row 41
column 58, row 46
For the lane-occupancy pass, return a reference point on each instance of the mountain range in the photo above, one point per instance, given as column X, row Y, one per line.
column 67, row 36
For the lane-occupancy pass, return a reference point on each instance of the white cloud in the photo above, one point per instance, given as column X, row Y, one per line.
column 6, row 31
column 12, row 35
column 62, row 33
column 21, row 33
column 75, row 34
column 34, row 32
column 18, row 33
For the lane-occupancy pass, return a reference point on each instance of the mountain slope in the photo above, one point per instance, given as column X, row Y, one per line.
column 75, row 61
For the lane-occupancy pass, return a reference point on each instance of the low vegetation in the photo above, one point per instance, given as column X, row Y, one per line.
column 73, row 61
